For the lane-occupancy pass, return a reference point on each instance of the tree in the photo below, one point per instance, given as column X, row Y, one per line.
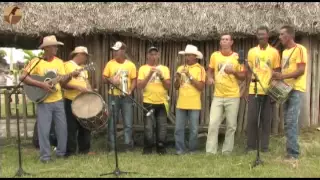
column 3, row 61
column 29, row 55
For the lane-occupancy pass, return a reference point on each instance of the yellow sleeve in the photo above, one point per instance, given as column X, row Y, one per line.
column 141, row 75
column 61, row 68
column 133, row 72
column 86, row 74
column 212, row 63
column 251, row 58
column 302, row 56
column 179, row 69
column 202, row 75
column 166, row 73
column 106, row 71
column 68, row 68
column 30, row 66
column 238, row 67
column 276, row 60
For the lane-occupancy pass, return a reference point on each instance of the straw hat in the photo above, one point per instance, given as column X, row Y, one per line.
column 191, row 49
column 80, row 49
column 50, row 41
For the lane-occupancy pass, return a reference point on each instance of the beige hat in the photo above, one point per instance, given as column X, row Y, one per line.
column 80, row 49
column 50, row 41
column 191, row 49
column 118, row 45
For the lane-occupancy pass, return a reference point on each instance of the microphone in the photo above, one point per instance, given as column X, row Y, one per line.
column 150, row 112
column 241, row 57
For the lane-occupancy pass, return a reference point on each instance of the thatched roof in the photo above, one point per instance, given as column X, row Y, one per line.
column 170, row 20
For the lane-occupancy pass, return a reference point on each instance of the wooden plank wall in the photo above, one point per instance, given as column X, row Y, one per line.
column 99, row 47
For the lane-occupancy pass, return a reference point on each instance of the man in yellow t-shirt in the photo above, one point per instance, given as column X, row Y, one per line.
column 224, row 71
column 77, row 135
column 154, row 81
column 52, row 108
column 122, row 73
column 294, row 73
column 263, row 59
column 190, row 81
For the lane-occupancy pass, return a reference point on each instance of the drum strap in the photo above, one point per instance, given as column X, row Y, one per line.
column 288, row 58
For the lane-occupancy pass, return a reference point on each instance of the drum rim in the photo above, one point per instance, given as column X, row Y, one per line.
column 90, row 92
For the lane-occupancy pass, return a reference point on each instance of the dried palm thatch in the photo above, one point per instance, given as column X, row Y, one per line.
column 192, row 20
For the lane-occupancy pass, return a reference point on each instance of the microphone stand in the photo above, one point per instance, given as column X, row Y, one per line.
column 117, row 172
column 258, row 160
column 20, row 171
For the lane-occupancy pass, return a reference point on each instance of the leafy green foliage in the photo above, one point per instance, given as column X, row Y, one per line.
column 2, row 55
column 29, row 55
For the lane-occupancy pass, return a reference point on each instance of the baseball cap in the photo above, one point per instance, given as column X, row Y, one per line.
column 153, row 48
column 118, row 45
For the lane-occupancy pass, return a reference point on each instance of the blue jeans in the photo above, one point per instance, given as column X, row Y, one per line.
column 291, row 125
column 182, row 116
column 125, row 105
column 48, row 112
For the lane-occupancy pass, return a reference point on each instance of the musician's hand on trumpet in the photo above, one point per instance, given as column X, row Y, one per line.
column 115, row 80
column 75, row 74
column 186, row 72
column 177, row 76
column 210, row 81
column 229, row 69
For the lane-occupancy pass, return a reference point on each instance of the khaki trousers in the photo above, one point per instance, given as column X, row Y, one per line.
column 219, row 107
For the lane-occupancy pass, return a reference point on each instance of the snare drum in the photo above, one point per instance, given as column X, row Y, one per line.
column 91, row 110
column 279, row 91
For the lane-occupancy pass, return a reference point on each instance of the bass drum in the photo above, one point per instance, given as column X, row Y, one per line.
column 35, row 138
column 91, row 111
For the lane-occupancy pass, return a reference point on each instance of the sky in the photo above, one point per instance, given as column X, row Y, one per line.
column 18, row 54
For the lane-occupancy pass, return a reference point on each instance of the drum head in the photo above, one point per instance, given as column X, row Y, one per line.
column 87, row 105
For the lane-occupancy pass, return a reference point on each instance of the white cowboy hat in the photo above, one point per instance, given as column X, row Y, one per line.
column 191, row 49
column 118, row 45
column 50, row 41
column 80, row 49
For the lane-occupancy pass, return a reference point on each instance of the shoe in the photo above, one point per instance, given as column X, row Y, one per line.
column 91, row 153
column 128, row 148
column 63, row 157
column 192, row 152
column 179, row 153
column 249, row 150
column 291, row 160
column 111, row 152
column 162, row 151
column 227, row 153
column 147, row 151
column 46, row 161
column 265, row 150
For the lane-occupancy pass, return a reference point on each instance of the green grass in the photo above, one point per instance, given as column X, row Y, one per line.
column 198, row 165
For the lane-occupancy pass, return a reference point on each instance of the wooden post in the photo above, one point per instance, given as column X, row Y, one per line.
column 7, row 112
column 240, row 119
column 275, row 119
column 1, row 103
column 314, row 89
column 281, row 125
column 304, row 119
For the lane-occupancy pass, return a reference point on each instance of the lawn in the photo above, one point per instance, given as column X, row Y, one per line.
column 197, row 165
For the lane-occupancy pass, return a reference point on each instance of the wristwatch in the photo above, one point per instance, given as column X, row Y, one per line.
column 190, row 78
column 161, row 78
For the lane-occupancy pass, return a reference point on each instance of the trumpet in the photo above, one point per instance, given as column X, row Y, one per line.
column 154, row 75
